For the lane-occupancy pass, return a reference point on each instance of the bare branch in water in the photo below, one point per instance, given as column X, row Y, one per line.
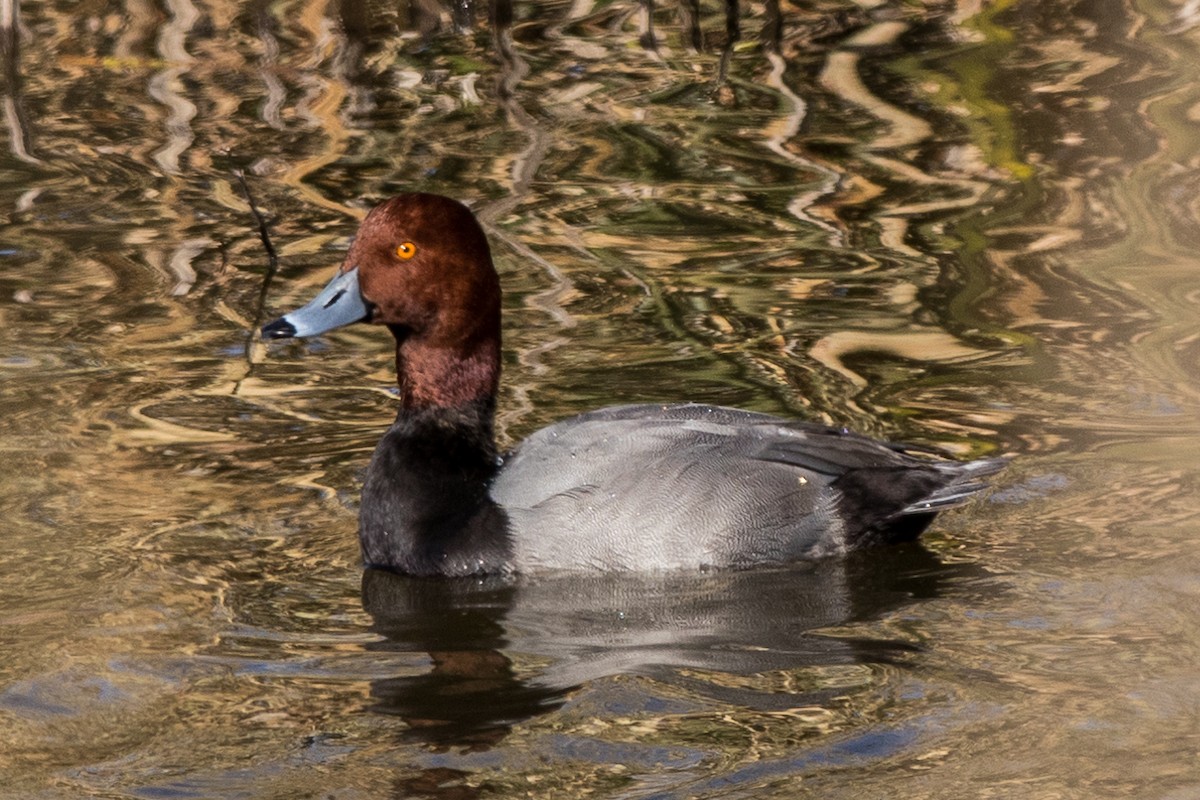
column 772, row 30
column 272, row 263
column 689, row 20
column 733, row 34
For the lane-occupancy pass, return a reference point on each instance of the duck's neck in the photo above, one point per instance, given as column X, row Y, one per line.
column 447, row 373
column 425, row 506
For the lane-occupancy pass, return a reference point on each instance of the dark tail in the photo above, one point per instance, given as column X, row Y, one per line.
column 964, row 480
column 887, row 505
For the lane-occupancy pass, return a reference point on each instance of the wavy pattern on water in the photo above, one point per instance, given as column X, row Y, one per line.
column 1067, row 252
column 954, row 222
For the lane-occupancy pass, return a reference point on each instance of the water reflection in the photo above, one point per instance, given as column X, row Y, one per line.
column 576, row 630
column 20, row 134
column 966, row 224
column 470, row 696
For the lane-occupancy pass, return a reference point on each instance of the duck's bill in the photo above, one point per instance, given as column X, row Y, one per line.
column 339, row 303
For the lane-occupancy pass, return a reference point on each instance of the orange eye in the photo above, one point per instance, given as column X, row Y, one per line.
column 406, row 250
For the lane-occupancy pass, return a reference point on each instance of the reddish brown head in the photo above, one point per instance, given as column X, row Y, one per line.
column 420, row 265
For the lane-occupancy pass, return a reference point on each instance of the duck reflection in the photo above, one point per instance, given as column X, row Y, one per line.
column 584, row 628
column 471, row 694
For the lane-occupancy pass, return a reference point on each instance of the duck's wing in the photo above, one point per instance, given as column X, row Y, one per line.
column 679, row 482
column 886, row 492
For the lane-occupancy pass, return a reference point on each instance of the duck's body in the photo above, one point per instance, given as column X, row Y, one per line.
column 624, row 488
column 692, row 486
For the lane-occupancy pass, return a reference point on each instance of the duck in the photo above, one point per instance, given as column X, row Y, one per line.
column 640, row 487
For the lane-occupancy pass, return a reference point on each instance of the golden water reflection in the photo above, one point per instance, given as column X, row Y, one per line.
column 966, row 225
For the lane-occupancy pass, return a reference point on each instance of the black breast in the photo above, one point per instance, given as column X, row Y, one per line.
column 425, row 508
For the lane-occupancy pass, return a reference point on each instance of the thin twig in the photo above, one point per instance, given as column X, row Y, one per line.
column 733, row 35
column 272, row 262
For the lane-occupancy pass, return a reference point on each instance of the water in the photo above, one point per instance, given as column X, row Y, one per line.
column 968, row 226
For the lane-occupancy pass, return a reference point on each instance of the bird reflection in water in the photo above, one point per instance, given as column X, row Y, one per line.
column 581, row 629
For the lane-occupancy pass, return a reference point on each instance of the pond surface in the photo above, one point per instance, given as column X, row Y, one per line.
column 971, row 226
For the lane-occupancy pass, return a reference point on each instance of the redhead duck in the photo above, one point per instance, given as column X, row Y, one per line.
column 635, row 487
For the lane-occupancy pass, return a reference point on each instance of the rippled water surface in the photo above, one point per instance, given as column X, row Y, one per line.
column 972, row 226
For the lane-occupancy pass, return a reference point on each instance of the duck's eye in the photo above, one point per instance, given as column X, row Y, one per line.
column 406, row 250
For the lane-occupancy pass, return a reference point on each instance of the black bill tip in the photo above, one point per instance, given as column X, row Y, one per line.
column 279, row 329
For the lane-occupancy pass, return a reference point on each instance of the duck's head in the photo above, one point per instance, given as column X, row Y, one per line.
column 420, row 265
